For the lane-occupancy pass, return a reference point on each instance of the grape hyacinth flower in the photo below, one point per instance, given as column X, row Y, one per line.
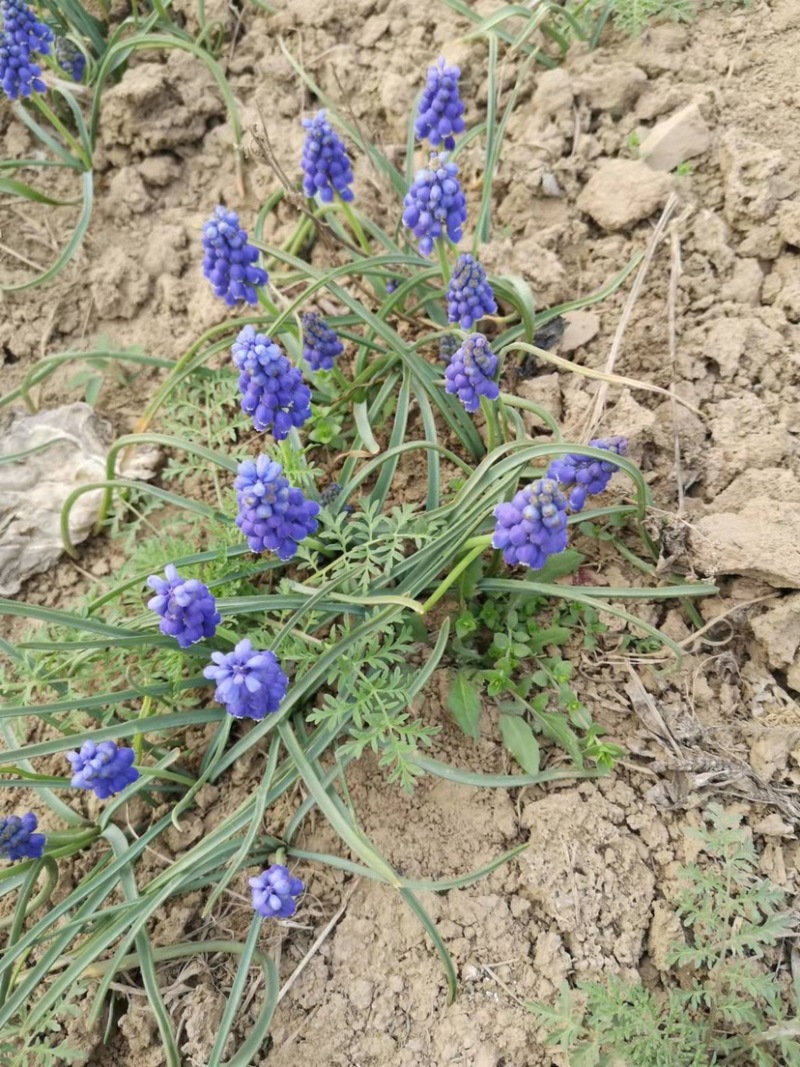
column 449, row 344
column 272, row 514
column 106, row 769
column 250, row 683
column 440, row 108
column 470, row 372
column 188, row 610
column 321, row 345
column 229, row 260
column 435, row 204
column 70, row 58
column 585, row 474
column 275, row 892
column 533, row 525
column 21, row 36
column 17, row 839
column 272, row 389
column 469, row 295
column 326, row 165
column 330, row 494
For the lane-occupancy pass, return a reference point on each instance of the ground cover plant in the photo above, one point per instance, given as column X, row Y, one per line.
column 311, row 609
column 729, row 1008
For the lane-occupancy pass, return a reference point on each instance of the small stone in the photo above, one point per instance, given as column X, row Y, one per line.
column 758, row 542
column 789, row 222
column 159, row 170
column 582, row 327
column 554, row 92
column 745, row 285
column 612, row 87
column 623, row 192
column 773, row 826
column 682, row 136
column 782, row 286
column 778, row 630
column 544, row 390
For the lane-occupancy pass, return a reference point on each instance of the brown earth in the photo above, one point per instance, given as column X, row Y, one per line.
column 588, row 896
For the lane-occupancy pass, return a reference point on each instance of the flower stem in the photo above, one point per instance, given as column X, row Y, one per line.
column 494, row 436
column 57, row 124
column 355, row 226
column 479, row 545
column 444, row 262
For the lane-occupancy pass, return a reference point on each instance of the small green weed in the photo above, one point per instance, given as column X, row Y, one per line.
column 730, row 1007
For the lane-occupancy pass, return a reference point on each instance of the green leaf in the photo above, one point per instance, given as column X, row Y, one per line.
column 520, row 742
column 464, row 703
column 16, row 188
column 557, row 729
column 558, row 566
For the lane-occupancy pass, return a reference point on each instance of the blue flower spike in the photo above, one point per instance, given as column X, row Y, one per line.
column 469, row 295
column 272, row 389
column 440, row 107
column 326, row 165
column 106, row 769
column 21, row 37
column 18, row 840
column 70, row 58
column 229, row 259
column 533, row 525
column 470, row 372
column 188, row 610
column 435, row 204
column 275, row 892
column 250, row 683
column 583, row 475
column 273, row 515
column 321, row 344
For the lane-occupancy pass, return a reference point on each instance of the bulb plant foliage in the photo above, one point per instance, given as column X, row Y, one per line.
column 347, row 459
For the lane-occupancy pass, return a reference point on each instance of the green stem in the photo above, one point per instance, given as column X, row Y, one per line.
column 56, row 122
column 444, row 262
column 535, row 409
column 494, row 437
column 355, row 226
column 18, row 919
column 50, row 882
column 480, row 545
column 138, row 741
column 267, row 304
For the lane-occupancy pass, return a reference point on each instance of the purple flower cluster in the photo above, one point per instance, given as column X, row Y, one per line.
column 449, row 344
column 274, row 892
column 330, row 494
column 21, row 37
column 440, row 108
column 188, row 610
column 585, row 474
column 470, row 372
column 272, row 389
column 17, row 839
column 70, row 58
column 533, row 525
column 272, row 514
column 469, row 295
column 326, row 165
column 229, row 259
column 321, row 345
column 250, row 684
column 435, row 204
column 105, row 768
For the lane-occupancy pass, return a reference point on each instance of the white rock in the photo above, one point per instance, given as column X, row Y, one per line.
column 623, row 192
column 682, row 136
